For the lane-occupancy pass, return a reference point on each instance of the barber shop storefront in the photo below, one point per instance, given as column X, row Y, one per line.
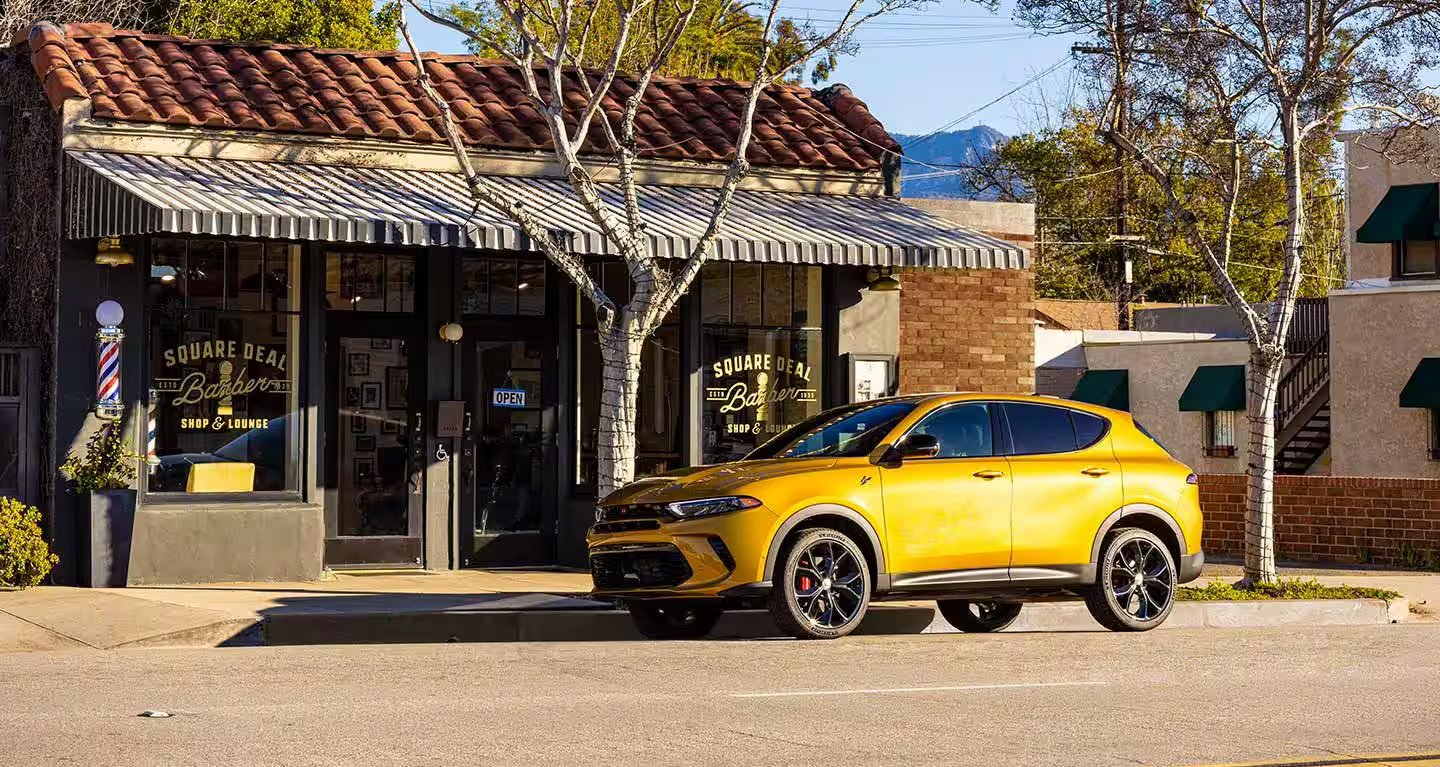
column 332, row 358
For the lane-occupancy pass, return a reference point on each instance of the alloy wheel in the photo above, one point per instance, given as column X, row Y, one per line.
column 1141, row 579
column 828, row 584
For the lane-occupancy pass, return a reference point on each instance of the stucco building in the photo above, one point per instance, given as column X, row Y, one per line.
column 331, row 359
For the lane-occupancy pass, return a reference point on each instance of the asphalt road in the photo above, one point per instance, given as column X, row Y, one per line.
column 1175, row 697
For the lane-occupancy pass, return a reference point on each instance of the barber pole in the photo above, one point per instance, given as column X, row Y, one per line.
column 107, row 387
column 151, row 459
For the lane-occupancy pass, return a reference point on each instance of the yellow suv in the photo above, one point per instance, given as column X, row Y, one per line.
column 979, row 502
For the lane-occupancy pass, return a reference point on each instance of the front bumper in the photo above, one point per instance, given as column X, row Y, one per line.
column 1189, row 566
column 696, row 558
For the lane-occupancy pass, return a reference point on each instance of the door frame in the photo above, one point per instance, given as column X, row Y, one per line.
column 517, row 548
column 359, row 552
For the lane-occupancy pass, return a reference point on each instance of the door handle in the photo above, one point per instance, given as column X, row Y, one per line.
column 1095, row 471
column 989, row 474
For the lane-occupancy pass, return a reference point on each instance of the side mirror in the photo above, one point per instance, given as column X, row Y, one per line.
column 919, row 446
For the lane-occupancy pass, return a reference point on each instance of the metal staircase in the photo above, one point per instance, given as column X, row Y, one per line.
column 1302, row 409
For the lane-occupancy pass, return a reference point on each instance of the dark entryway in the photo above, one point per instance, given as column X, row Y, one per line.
column 510, row 498
column 373, row 442
column 19, row 424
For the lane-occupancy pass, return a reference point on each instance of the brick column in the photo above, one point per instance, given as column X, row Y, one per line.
column 967, row 330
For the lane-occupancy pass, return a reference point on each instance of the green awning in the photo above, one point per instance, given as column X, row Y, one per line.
column 1106, row 388
column 1408, row 212
column 1423, row 388
column 1215, row 387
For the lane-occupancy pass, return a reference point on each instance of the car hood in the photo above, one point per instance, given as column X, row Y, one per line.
column 709, row 481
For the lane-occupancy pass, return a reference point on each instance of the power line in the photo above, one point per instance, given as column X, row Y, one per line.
column 989, row 104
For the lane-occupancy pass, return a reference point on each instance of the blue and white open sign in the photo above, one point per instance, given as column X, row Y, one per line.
column 508, row 398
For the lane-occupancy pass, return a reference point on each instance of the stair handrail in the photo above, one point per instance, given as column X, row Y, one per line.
column 1305, row 377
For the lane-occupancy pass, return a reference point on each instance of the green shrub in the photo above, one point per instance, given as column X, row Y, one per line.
column 108, row 462
column 1284, row 589
column 25, row 558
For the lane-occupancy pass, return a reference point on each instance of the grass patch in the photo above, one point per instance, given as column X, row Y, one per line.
column 1294, row 588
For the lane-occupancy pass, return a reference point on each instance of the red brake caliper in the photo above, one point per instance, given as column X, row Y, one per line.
column 804, row 583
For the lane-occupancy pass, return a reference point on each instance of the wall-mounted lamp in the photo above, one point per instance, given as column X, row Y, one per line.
column 451, row 332
column 881, row 279
column 109, row 252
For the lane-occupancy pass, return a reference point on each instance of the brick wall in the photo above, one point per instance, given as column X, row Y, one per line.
column 1329, row 519
column 967, row 330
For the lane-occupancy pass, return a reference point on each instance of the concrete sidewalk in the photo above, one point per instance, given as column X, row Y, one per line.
column 472, row 605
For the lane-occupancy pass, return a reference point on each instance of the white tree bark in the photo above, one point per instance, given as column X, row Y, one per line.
column 1263, row 381
column 620, row 354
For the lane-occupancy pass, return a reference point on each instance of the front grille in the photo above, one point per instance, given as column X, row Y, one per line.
column 626, row 526
column 647, row 566
column 631, row 511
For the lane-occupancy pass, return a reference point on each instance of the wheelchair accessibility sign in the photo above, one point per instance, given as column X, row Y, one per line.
column 508, row 398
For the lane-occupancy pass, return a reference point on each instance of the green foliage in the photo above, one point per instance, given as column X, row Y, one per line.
column 722, row 40
column 108, row 463
column 1412, row 558
column 25, row 558
column 324, row 23
column 1069, row 173
column 1219, row 591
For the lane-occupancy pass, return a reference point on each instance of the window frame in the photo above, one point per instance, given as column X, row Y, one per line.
column 1434, row 435
column 998, row 447
column 304, row 471
column 1010, row 440
column 1213, row 449
column 1397, row 262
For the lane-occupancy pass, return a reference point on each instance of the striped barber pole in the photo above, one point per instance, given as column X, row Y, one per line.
column 107, row 386
column 150, row 458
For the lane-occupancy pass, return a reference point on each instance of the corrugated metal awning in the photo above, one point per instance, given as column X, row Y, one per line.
column 119, row 194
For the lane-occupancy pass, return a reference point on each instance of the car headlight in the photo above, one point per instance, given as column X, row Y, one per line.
column 707, row 506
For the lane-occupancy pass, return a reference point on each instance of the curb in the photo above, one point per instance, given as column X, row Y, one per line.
column 615, row 625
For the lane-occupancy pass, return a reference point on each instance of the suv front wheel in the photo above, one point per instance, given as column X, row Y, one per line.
column 1136, row 587
column 822, row 588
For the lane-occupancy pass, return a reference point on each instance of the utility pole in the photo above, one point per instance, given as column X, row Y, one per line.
column 1122, row 237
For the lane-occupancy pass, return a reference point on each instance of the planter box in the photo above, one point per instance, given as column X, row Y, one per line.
column 111, row 528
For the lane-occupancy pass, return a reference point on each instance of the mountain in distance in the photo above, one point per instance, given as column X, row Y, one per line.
column 961, row 147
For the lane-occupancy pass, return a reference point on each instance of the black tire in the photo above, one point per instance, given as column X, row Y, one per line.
column 822, row 586
column 1135, row 590
column 674, row 618
column 978, row 617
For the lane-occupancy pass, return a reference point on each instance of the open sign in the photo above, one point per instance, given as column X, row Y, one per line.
column 508, row 398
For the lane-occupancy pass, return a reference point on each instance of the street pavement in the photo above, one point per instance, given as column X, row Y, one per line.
column 1175, row 697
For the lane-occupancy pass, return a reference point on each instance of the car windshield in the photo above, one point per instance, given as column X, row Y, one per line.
column 849, row 431
column 265, row 446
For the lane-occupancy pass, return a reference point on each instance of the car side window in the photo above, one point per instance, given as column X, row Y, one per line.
column 1038, row 429
column 1088, row 428
column 963, row 431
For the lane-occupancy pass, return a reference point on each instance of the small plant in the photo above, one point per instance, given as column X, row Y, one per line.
column 1363, row 555
column 108, row 462
column 1284, row 589
column 25, row 558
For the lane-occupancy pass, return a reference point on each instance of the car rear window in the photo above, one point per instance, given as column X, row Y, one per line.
column 1088, row 428
column 1036, row 429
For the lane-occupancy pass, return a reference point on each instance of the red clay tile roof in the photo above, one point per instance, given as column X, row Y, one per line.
column 138, row 77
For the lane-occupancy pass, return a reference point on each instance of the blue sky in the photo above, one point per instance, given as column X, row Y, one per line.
column 920, row 70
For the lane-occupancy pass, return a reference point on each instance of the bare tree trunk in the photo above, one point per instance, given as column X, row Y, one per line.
column 1261, row 387
column 620, row 350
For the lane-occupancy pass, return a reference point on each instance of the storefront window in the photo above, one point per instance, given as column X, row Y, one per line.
column 370, row 282
column 224, row 366
column 761, row 354
column 658, row 429
column 502, row 286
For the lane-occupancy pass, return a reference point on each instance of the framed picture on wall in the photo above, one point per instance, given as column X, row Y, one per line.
column 872, row 376
column 364, row 468
column 365, row 444
column 359, row 364
column 370, row 396
column 390, row 426
column 352, row 397
column 358, row 425
column 397, row 387
column 382, row 344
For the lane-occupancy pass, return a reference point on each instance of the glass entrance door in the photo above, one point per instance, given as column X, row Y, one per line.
column 509, row 464
column 372, row 480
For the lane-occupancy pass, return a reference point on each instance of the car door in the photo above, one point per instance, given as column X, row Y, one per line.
column 950, row 512
column 1066, row 482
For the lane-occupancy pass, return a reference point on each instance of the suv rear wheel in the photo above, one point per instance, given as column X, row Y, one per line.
column 1136, row 588
column 822, row 588
column 674, row 618
column 978, row 617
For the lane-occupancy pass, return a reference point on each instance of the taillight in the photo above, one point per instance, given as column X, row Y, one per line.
column 1191, row 479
